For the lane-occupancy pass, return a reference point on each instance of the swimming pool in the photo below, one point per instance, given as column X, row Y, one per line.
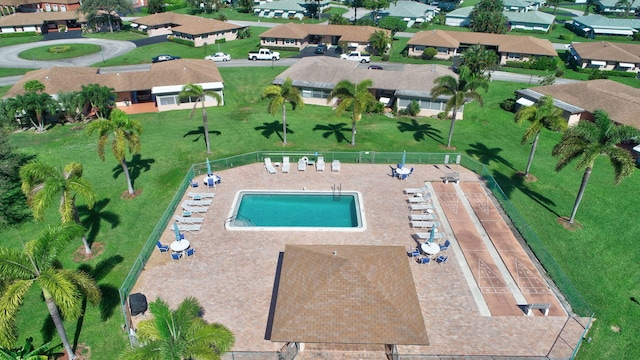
column 297, row 210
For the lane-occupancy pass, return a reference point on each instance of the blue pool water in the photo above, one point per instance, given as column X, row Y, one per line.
column 286, row 210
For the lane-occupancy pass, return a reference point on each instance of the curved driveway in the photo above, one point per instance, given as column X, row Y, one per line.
column 110, row 49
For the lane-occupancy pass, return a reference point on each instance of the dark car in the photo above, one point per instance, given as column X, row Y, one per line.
column 161, row 58
column 321, row 49
column 374, row 67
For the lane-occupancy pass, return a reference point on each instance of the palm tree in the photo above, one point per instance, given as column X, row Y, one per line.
column 98, row 98
column 460, row 91
column 28, row 351
column 43, row 183
column 478, row 58
column 126, row 134
column 280, row 95
column 196, row 91
column 627, row 4
column 380, row 41
column 541, row 115
column 179, row 334
column 36, row 104
column 587, row 141
column 356, row 97
column 37, row 263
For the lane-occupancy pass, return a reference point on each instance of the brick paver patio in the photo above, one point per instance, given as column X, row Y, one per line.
column 232, row 273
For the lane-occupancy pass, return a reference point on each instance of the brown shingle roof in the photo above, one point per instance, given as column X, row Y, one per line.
column 28, row 2
column 504, row 43
column 326, row 72
column 347, row 294
column 37, row 18
column 176, row 72
column 300, row 31
column 608, row 51
column 620, row 101
column 187, row 24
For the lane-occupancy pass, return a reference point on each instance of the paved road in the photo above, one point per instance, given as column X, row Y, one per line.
column 110, row 49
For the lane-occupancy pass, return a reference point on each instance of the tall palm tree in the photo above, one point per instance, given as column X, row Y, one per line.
column 196, row 91
column 380, row 41
column 280, row 95
column 102, row 99
column 459, row 91
column 43, row 183
column 126, row 134
column 34, row 104
column 37, row 263
column 587, row 141
column 179, row 334
column 541, row 115
column 356, row 97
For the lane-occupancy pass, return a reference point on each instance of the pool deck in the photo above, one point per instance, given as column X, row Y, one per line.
column 469, row 305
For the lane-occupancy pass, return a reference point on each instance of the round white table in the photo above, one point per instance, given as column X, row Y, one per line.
column 179, row 246
column 430, row 248
column 403, row 171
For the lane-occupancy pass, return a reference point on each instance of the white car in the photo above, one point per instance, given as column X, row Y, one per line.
column 219, row 56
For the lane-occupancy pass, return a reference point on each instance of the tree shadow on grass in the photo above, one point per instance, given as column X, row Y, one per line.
column 136, row 166
column 485, row 155
column 516, row 182
column 336, row 130
column 198, row 135
column 92, row 219
column 274, row 127
column 420, row 131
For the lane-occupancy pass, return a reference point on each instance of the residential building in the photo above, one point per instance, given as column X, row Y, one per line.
column 459, row 17
column 201, row 31
column 286, row 9
column 508, row 47
column 524, row 20
column 315, row 77
column 614, row 6
column 155, row 89
column 299, row 36
column 411, row 12
column 595, row 24
column 26, row 6
column 580, row 99
column 607, row 55
column 42, row 22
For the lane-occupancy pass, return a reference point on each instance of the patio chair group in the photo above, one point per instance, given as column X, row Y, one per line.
column 419, row 200
column 303, row 162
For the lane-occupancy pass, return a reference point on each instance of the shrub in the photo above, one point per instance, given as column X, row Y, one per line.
column 598, row 74
column 385, row 57
column 442, row 115
column 412, row 110
column 508, row 104
column 222, row 17
column 18, row 34
column 221, row 41
column 559, row 72
column 376, row 108
column 244, row 33
column 429, row 53
column 59, row 49
column 567, row 37
column 181, row 41
column 636, row 36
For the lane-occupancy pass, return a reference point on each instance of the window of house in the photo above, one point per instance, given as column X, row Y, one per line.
column 289, row 41
column 514, row 56
column 168, row 100
column 269, row 40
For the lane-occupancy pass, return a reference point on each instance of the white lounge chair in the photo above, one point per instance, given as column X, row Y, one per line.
column 188, row 228
column 269, row 165
column 335, row 166
column 195, row 209
column 188, row 219
column 422, row 217
column 302, row 164
column 320, row 163
column 419, row 199
column 421, row 207
column 197, row 195
column 413, row 191
column 197, row 202
column 285, row 164
column 423, row 224
column 427, row 235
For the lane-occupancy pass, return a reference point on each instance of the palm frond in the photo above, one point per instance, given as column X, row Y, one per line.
column 11, row 299
column 64, row 293
column 85, row 283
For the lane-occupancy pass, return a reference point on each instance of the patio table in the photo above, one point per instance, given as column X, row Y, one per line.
column 179, row 246
column 430, row 248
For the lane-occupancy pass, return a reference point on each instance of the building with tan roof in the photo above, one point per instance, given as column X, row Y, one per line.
column 606, row 56
column 580, row 99
column 452, row 43
column 316, row 76
column 287, row 9
column 29, row 6
column 201, row 31
column 300, row 36
column 347, row 294
column 159, row 85
column 41, row 22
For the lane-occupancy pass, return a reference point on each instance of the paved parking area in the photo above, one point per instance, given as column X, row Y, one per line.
column 233, row 272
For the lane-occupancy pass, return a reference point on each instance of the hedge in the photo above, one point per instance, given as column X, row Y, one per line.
column 608, row 72
column 181, row 41
column 18, row 34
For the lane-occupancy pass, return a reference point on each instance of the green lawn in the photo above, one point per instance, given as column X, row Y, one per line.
column 8, row 41
column 13, row 71
column 58, row 52
column 596, row 258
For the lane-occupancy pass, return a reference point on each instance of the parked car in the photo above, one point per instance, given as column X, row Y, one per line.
column 264, row 54
column 356, row 56
column 219, row 56
column 321, row 49
column 374, row 67
column 161, row 58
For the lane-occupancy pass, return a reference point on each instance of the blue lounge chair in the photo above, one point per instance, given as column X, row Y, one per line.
column 413, row 252
column 193, row 183
column 445, row 246
column 423, row 260
column 163, row 248
column 176, row 256
column 442, row 259
column 191, row 252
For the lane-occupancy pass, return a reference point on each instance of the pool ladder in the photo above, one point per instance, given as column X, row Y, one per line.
column 337, row 191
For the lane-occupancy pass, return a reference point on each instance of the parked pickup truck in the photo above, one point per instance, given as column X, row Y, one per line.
column 356, row 56
column 264, row 54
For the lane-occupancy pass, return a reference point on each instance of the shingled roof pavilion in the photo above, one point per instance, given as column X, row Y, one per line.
column 347, row 294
